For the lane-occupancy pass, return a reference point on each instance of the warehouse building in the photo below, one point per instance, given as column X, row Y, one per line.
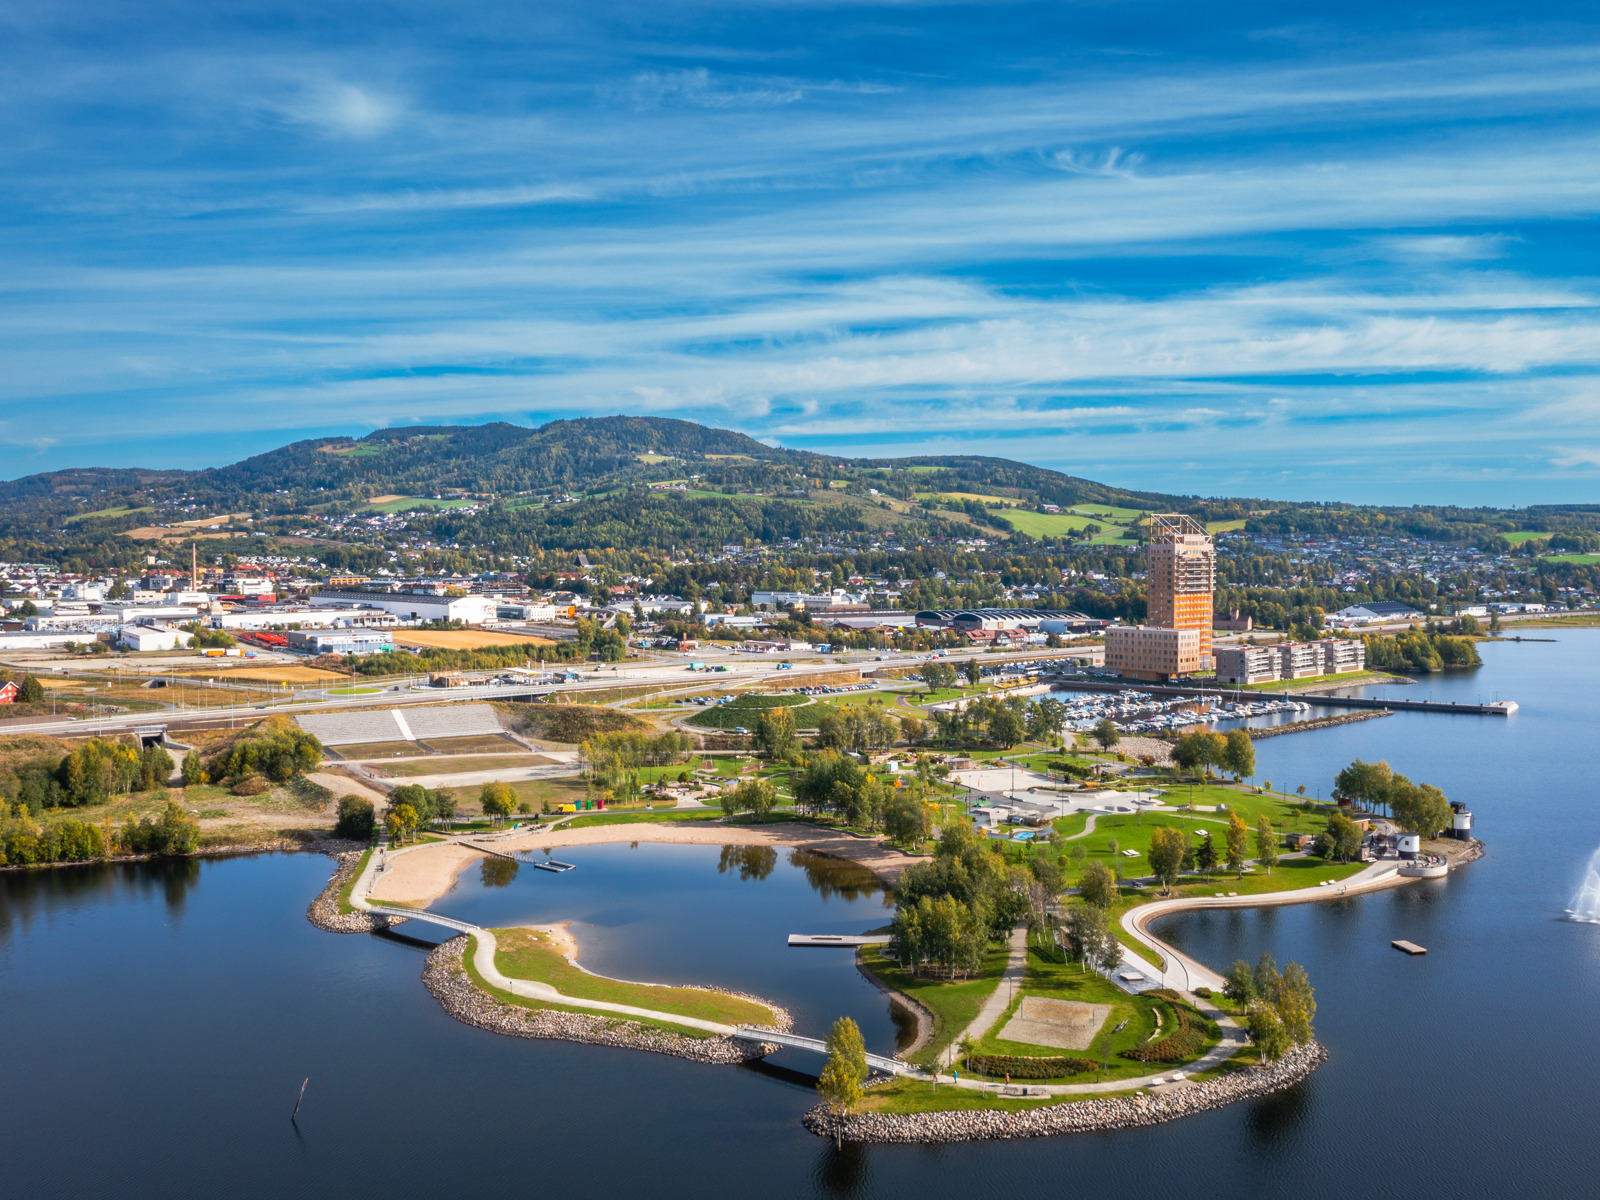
column 413, row 606
column 342, row 641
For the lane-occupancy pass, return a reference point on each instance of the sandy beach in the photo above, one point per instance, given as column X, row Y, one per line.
column 421, row 876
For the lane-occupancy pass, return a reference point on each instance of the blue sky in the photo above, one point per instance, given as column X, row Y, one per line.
column 1343, row 252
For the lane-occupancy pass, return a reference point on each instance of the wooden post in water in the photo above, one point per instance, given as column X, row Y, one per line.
column 301, row 1097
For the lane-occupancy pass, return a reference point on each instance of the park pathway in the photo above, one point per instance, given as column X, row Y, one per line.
column 1010, row 981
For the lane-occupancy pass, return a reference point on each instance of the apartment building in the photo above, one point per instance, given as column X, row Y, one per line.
column 1147, row 652
column 1289, row 660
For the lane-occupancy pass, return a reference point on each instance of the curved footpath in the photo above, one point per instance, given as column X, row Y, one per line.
column 1184, row 974
column 446, row 978
column 1177, row 1096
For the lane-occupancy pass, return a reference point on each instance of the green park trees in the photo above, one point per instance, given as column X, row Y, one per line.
column 1097, row 885
column 753, row 796
column 846, row 1070
column 498, row 800
column 1239, row 754
column 356, row 820
column 1266, row 843
column 1194, row 751
column 1106, row 733
column 1420, row 807
column 30, row 690
column 974, row 672
column 775, row 732
column 1236, row 839
column 861, row 728
column 937, row 676
column 1341, row 839
column 1279, row 1008
column 1168, row 846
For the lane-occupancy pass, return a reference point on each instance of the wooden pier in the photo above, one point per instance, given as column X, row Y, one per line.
column 1408, row 947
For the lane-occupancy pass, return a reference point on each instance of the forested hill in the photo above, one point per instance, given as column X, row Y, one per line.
column 505, row 463
column 642, row 483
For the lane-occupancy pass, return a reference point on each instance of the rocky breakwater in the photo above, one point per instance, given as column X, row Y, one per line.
column 445, row 976
column 1079, row 1116
column 324, row 913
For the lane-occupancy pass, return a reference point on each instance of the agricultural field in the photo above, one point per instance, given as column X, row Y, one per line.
column 408, row 503
column 1042, row 525
column 287, row 673
column 465, row 639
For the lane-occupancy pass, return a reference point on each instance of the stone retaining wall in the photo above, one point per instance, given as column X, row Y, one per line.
column 445, row 976
column 1366, row 714
column 1080, row 1116
column 324, row 913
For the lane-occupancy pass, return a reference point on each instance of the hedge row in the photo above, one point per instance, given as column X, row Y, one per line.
column 1029, row 1068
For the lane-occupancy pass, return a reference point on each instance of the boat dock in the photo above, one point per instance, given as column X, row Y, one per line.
column 525, row 857
column 1409, row 947
column 838, row 939
column 1495, row 708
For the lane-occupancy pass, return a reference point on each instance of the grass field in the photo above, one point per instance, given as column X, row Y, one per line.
column 1108, row 512
column 1008, row 501
column 393, row 749
column 289, row 673
column 109, row 512
column 1584, row 560
column 1047, row 976
column 953, row 1004
column 525, row 954
column 1225, row 526
column 519, row 1002
column 432, row 764
column 465, row 639
column 408, row 503
column 1289, row 685
column 1040, row 525
column 477, row 744
column 1526, row 535
column 743, row 710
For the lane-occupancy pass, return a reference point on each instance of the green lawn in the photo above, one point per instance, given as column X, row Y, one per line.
column 1047, row 976
column 1108, row 512
column 1225, row 526
column 1527, row 535
column 408, row 503
column 634, row 818
column 515, row 1001
column 526, row 954
column 109, row 512
column 1289, row 685
column 1583, row 560
column 344, row 904
column 905, row 1095
column 954, row 1005
column 1041, row 525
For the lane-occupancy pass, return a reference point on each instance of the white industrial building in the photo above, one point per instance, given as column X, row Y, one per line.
column 320, row 618
column 151, row 637
column 45, row 640
column 342, row 641
column 413, row 606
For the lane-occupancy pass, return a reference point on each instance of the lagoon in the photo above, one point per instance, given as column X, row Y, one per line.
column 159, row 1019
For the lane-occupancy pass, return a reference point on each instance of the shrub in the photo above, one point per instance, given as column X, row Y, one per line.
column 1203, row 992
column 1183, row 1042
column 250, row 785
column 175, row 833
column 1028, row 1068
column 357, row 820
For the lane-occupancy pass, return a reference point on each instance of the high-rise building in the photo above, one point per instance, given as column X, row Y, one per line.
column 1182, row 575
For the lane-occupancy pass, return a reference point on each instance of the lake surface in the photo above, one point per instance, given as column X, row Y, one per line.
column 158, row 1020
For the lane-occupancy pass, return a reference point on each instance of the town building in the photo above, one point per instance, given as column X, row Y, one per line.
column 1374, row 612
column 1149, row 652
column 1289, row 660
column 1182, row 573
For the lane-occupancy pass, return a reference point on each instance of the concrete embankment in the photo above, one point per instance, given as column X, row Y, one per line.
column 1081, row 1116
column 445, row 976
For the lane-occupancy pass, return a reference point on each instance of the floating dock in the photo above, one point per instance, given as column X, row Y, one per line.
column 1409, row 947
column 838, row 939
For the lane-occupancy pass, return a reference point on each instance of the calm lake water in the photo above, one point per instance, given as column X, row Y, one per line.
column 158, row 1020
